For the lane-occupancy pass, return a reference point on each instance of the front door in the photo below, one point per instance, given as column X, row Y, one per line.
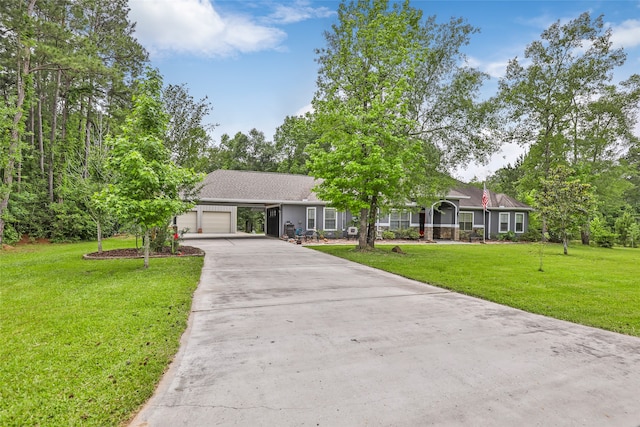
column 273, row 222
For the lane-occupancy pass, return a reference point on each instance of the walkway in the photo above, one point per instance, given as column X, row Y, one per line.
column 281, row 335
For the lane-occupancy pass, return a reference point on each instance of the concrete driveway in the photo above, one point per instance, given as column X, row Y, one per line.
column 281, row 335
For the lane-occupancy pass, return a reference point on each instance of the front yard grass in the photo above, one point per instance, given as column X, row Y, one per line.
column 85, row 342
column 592, row 286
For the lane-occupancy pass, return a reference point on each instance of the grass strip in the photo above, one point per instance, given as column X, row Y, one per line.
column 86, row 342
column 591, row 286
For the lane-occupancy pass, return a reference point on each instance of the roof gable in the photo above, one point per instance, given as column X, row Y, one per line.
column 471, row 197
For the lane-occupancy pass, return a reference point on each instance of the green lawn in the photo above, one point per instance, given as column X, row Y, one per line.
column 85, row 342
column 592, row 286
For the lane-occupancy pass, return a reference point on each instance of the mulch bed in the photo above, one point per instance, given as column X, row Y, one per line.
column 138, row 253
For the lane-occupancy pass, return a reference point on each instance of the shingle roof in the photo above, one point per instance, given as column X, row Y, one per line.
column 257, row 187
column 269, row 187
column 472, row 198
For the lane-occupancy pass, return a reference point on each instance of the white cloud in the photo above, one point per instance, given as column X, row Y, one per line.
column 495, row 69
column 297, row 12
column 304, row 110
column 627, row 34
column 195, row 27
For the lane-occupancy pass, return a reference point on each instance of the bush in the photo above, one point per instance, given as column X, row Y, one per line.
column 532, row 235
column 601, row 234
column 509, row 236
column 408, row 234
column 10, row 236
column 70, row 223
column 161, row 237
column 388, row 235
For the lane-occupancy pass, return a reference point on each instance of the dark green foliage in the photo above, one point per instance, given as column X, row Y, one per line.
column 188, row 136
column 509, row 236
column 250, row 152
column 70, row 223
column 532, row 235
column 250, row 220
column 388, row 235
column 407, row 234
column 58, row 61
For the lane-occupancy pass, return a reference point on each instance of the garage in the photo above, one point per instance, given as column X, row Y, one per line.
column 188, row 220
column 216, row 222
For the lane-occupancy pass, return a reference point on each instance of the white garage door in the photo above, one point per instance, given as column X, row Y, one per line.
column 187, row 220
column 216, row 222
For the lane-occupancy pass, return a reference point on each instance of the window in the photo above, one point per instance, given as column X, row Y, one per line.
column 503, row 226
column 466, row 221
column 399, row 220
column 519, row 222
column 383, row 218
column 311, row 218
column 330, row 219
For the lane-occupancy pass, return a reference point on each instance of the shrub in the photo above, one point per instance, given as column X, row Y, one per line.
column 601, row 234
column 10, row 236
column 509, row 236
column 532, row 235
column 388, row 235
column 70, row 223
column 407, row 233
column 161, row 237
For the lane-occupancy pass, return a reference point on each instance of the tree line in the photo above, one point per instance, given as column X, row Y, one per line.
column 69, row 71
column 396, row 110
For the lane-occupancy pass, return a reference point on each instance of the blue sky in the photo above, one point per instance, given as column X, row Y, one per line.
column 255, row 60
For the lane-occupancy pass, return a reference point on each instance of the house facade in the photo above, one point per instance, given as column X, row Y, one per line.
column 291, row 207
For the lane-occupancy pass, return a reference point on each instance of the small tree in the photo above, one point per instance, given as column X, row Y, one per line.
column 564, row 202
column 148, row 188
column 601, row 233
column 624, row 226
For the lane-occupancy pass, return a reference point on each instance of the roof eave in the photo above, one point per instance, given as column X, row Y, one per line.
column 261, row 201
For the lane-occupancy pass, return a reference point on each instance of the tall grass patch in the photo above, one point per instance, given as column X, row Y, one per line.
column 592, row 286
column 85, row 342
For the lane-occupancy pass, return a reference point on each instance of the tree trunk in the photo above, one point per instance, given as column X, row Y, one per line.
column 147, row 243
column 54, row 125
column 14, row 143
column 373, row 216
column 584, row 236
column 99, row 231
column 362, row 239
column 565, row 243
column 87, row 142
column 40, row 136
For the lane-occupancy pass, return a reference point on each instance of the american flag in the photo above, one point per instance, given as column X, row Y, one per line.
column 485, row 199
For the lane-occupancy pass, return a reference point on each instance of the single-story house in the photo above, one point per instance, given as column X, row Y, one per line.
column 291, row 206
